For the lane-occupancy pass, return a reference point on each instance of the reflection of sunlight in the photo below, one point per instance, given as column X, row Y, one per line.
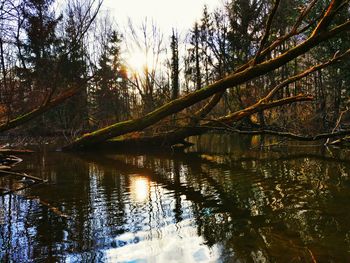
column 255, row 141
column 178, row 243
column 139, row 188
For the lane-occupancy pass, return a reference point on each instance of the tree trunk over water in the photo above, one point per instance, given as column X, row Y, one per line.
column 169, row 139
column 246, row 73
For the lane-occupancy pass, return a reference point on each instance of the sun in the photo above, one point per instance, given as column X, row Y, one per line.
column 138, row 61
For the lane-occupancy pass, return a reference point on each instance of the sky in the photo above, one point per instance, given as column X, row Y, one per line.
column 167, row 14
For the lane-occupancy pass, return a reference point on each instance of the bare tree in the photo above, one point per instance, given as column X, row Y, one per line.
column 148, row 45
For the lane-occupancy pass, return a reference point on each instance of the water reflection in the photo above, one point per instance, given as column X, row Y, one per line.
column 177, row 243
column 230, row 199
column 139, row 187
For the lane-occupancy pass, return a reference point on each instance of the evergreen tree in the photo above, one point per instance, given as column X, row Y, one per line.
column 72, row 67
column 175, row 85
column 110, row 92
column 193, row 69
column 41, row 45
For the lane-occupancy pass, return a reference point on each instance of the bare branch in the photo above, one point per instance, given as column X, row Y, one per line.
column 267, row 31
column 303, row 74
column 259, row 106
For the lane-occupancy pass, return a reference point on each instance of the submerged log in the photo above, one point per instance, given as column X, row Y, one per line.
column 171, row 141
column 15, row 151
column 298, row 137
column 26, row 181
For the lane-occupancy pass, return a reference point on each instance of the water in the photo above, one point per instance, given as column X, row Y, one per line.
column 226, row 200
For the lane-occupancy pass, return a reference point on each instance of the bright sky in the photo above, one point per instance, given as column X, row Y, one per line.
column 164, row 14
column 167, row 14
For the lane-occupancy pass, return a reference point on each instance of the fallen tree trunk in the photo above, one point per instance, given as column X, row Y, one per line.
column 169, row 139
column 175, row 141
column 319, row 35
column 46, row 106
column 15, row 151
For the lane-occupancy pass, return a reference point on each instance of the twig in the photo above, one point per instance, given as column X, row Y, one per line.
column 336, row 58
column 337, row 123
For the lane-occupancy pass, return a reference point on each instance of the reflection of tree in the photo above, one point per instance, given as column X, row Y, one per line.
column 277, row 212
column 252, row 206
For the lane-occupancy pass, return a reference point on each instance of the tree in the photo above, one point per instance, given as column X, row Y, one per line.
column 109, row 96
column 175, row 81
column 193, row 69
column 32, row 94
column 259, row 65
column 40, row 48
column 147, row 78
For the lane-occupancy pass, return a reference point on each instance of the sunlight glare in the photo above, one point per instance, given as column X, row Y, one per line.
column 137, row 61
column 139, row 188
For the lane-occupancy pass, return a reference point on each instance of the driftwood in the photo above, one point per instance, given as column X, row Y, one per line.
column 15, row 151
column 9, row 160
column 5, row 170
column 26, row 180
column 23, row 175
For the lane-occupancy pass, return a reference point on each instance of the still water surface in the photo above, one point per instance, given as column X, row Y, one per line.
column 225, row 200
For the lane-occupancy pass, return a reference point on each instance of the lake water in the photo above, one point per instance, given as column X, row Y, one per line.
column 228, row 199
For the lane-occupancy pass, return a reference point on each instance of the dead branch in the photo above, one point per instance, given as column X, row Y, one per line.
column 337, row 126
column 290, row 135
column 260, row 106
column 267, row 31
column 15, row 151
column 46, row 106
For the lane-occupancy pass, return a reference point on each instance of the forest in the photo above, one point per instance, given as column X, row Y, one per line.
column 63, row 73
column 227, row 141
